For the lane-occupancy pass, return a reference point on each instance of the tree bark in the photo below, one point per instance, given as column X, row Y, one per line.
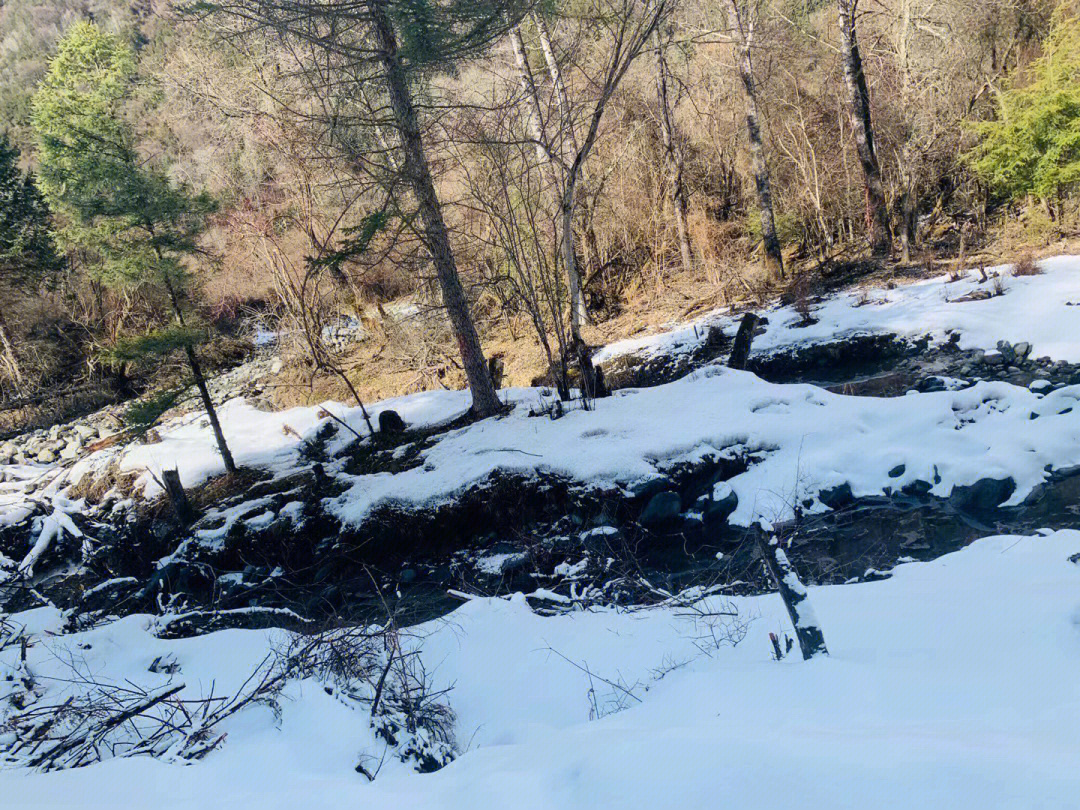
column 211, row 412
column 177, row 496
column 436, row 237
column 877, row 215
column 9, row 353
column 568, row 144
column 673, row 157
column 200, row 380
column 792, row 591
column 744, row 31
column 532, row 98
column 740, row 352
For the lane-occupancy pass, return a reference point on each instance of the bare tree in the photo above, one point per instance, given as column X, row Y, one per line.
column 744, row 18
column 877, row 214
column 673, row 153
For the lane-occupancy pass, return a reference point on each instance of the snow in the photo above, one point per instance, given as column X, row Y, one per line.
column 949, row 684
column 1043, row 310
column 952, row 684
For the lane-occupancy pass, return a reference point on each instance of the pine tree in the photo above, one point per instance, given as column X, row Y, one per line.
column 140, row 228
column 1033, row 145
column 27, row 252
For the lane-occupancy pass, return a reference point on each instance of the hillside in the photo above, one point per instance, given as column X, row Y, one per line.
column 570, row 604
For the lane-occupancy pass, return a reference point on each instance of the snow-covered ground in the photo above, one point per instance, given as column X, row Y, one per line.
column 952, row 684
column 1043, row 310
column 805, row 439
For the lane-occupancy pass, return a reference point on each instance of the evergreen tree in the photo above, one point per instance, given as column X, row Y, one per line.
column 141, row 228
column 1033, row 145
column 27, row 252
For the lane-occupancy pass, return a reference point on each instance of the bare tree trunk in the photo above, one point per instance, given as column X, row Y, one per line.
column 743, row 24
column 532, row 97
column 568, row 143
column 9, row 353
column 200, row 380
column 211, row 412
column 877, row 215
column 673, row 157
column 436, row 238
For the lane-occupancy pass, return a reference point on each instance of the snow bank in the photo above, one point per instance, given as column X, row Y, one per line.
column 952, row 684
column 1043, row 310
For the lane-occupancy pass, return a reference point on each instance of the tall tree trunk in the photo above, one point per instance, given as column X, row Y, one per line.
column 211, row 412
column 436, row 238
column 568, row 144
column 196, row 372
column 743, row 25
column 10, row 357
column 532, row 99
column 672, row 157
column 877, row 214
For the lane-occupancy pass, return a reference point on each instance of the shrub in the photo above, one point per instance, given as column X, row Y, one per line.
column 1026, row 266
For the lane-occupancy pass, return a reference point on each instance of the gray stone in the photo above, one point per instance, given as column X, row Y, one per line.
column 85, row 432
column 1008, row 352
column 985, row 494
column 721, row 504
column 837, row 496
column 1023, row 349
column 70, row 450
column 662, row 508
column 46, row 456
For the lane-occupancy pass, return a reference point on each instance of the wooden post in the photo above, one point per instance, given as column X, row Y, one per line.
column 740, row 352
column 793, row 592
column 181, row 506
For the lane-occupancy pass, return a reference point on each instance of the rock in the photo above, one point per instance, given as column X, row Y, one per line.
column 391, row 422
column 662, row 508
column 722, row 503
column 1007, row 351
column 897, row 471
column 45, row 456
column 276, row 365
column 85, row 432
column 837, row 496
column 647, row 487
column 994, row 359
column 1040, row 384
column 602, row 539
column 407, row 576
column 71, row 450
column 985, row 494
column 1023, row 349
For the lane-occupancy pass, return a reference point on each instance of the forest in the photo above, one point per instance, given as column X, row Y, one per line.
column 483, row 187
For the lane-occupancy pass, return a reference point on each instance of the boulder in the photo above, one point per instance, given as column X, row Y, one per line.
column 722, row 503
column 985, row 494
column 836, row 497
column 391, row 422
column 662, row 508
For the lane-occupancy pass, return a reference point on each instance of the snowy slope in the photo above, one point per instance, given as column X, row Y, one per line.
column 953, row 684
column 1043, row 310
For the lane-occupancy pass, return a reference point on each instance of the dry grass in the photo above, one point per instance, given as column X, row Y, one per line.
column 1026, row 266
